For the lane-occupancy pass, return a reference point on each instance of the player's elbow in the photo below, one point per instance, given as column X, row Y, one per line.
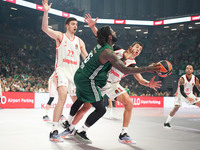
column 44, row 29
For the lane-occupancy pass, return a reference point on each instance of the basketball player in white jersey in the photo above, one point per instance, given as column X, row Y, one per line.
column 68, row 50
column 52, row 93
column 184, row 93
column 114, row 90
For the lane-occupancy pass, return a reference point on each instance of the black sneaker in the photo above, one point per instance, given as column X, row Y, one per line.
column 65, row 124
column 55, row 137
column 167, row 125
column 82, row 137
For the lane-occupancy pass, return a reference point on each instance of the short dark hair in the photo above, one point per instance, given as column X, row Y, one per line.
column 68, row 20
column 137, row 43
column 102, row 35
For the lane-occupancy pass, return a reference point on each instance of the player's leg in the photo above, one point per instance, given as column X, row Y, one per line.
column 79, row 115
column 99, row 111
column 73, row 119
column 69, row 127
column 62, row 96
column 170, row 116
column 128, row 104
column 46, row 115
column 52, row 90
column 110, row 107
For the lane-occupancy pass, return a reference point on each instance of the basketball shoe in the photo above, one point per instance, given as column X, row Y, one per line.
column 54, row 137
column 62, row 118
column 46, row 118
column 82, row 137
column 167, row 125
column 65, row 124
column 67, row 132
column 125, row 138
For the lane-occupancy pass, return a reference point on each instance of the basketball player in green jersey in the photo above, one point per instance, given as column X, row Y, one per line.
column 92, row 74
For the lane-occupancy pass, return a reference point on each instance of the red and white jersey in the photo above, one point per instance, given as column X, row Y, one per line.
column 68, row 56
column 188, row 85
column 116, row 75
column 0, row 89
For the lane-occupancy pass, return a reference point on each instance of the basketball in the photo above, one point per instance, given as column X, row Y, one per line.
column 166, row 68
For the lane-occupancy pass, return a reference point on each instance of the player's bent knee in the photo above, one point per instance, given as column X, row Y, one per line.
column 86, row 107
column 101, row 111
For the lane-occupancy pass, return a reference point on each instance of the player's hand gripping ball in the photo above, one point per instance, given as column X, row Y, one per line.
column 165, row 68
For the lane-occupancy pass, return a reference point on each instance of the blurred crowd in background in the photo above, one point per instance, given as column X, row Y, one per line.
column 27, row 56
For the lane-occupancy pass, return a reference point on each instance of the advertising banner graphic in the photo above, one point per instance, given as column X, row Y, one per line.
column 144, row 101
column 17, row 100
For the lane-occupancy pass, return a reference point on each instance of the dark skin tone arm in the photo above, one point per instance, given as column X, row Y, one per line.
column 109, row 55
column 197, row 84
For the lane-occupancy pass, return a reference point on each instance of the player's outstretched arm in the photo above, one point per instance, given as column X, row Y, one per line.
column 84, row 53
column 91, row 23
column 53, row 34
column 152, row 84
column 109, row 55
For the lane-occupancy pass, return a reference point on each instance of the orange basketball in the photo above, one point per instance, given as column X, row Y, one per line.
column 166, row 68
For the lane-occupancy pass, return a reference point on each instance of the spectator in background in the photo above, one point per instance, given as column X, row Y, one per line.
column 127, row 89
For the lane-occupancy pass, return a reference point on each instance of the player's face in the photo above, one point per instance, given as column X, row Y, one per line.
column 189, row 70
column 72, row 26
column 136, row 49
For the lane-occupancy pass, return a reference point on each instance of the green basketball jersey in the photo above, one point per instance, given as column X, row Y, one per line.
column 91, row 75
column 91, row 69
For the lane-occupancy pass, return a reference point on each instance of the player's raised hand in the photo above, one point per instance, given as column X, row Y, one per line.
column 88, row 19
column 46, row 6
column 154, row 84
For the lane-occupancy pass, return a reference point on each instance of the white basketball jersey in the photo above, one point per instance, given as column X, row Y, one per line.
column 188, row 85
column 0, row 89
column 116, row 75
column 68, row 56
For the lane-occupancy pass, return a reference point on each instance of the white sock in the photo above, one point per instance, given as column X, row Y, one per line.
column 46, row 112
column 111, row 111
column 169, row 118
column 71, row 127
column 70, row 119
column 54, row 126
column 83, row 128
column 124, row 130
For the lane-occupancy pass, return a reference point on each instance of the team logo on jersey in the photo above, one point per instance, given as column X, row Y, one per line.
column 76, row 46
column 124, row 63
column 116, row 91
column 192, row 83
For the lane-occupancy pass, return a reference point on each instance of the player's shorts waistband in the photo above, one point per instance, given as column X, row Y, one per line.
column 112, row 82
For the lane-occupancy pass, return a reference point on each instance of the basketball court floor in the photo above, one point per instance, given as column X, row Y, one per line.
column 24, row 129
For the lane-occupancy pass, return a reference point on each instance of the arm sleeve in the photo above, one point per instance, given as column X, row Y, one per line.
column 182, row 91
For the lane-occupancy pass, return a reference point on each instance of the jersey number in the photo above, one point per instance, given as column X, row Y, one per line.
column 70, row 53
